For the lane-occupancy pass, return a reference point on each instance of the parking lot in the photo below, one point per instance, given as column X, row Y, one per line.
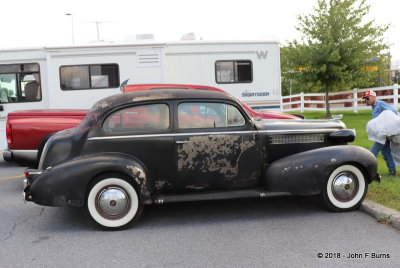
column 230, row 233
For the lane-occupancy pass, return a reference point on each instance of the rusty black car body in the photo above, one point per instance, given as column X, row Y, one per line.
column 150, row 147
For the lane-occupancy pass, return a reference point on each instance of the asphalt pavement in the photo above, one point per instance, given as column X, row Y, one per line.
column 280, row 232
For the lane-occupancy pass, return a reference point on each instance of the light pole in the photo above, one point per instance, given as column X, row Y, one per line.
column 72, row 26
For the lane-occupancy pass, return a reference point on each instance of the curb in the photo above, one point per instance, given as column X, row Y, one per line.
column 379, row 211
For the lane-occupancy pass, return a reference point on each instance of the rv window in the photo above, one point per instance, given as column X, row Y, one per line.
column 20, row 83
column 89, row 76
column 239, row 71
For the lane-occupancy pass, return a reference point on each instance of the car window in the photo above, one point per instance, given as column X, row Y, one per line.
column 208, row 115
column 152, row 117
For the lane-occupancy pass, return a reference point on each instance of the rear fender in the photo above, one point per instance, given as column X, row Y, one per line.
column 306, row 172
column 66, row 184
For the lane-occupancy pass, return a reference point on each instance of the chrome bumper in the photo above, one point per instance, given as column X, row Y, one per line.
column 7, row 155
column 377, row 177
column 30, row 175
column 26, row 193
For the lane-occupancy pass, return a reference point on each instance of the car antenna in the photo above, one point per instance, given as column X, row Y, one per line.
column 123, row 84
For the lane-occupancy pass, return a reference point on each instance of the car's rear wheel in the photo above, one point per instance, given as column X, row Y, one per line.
column 345, row 188
column 112, row 202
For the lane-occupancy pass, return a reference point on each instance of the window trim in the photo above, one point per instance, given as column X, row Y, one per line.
column 235, row 82
column 127, row 133
column 90, row 79
column 18, row 82
column 216, row 129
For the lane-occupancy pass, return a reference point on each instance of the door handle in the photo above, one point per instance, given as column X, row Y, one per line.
column 182, row 142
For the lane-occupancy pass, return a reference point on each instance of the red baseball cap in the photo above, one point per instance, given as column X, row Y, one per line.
column 369, row 93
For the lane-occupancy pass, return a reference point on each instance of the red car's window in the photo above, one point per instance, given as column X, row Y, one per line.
column 151, row 117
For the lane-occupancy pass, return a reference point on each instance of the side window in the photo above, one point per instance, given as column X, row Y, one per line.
column 89, row 76
column 234, row 71
column 208, row 115
column 152, row 117
column 20, row 83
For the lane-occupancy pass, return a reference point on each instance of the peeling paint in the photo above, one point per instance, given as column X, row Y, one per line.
column 194, row 187
column 160, row 184
column 140, row 178
column 286, row 169
column 213, row 153
column 153, row 97
column 103, row 105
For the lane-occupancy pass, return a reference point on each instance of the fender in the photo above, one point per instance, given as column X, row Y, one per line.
column 66, row 184
column 306, row 172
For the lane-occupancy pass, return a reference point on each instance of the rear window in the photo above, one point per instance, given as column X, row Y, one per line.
column 143, row 118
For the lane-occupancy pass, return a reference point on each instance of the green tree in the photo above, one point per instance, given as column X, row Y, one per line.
column 340, row 48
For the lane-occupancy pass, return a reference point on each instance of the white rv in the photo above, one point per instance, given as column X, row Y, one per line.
column 78, row 76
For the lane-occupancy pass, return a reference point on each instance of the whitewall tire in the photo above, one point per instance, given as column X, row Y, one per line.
column 345, row 188
column 112, row 202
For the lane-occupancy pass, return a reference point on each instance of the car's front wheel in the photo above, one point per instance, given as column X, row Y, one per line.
column 112, row 202
column 345, row 189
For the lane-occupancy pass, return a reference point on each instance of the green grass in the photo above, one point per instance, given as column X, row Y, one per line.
column 387, row 192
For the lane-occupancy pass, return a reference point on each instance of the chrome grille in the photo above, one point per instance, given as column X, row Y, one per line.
column 301, row 138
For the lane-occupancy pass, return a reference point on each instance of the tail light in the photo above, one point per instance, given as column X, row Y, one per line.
column 9, row 134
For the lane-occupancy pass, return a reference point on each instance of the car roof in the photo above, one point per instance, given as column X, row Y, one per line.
column 137, row 87
column 160, row 94
column 122, row 99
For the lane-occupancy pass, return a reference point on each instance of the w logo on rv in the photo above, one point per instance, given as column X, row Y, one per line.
column 262, row 55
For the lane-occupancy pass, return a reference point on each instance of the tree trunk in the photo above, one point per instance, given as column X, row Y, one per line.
column 327, row 109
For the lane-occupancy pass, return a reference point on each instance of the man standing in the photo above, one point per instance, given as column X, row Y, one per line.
column 378, row 107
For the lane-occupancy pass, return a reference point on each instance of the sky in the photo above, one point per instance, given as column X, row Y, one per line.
column 27, row 23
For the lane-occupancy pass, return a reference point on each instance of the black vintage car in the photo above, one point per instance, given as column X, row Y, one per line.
column 151, row 147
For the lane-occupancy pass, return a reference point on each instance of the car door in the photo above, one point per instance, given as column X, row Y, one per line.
column 216, row 147
column 144, row 132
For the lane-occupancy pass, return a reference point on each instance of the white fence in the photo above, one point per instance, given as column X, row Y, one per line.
column 350, row 100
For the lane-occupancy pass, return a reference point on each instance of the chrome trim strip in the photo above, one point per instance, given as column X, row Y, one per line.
column 172, row 135
column 284, row 131
column 35, row 172
column 289, row 131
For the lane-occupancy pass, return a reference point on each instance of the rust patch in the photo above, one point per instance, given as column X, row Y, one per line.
column 214, row 153
column 154, row 97
column 194, row 187
column 140, row 178
column 102, row 105
column 286, row 169
column 160, row 184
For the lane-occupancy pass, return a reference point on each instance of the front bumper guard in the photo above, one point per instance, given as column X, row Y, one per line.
column 377, row 177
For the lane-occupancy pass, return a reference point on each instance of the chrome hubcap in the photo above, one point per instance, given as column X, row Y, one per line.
column 345, row 186
column 113, row 201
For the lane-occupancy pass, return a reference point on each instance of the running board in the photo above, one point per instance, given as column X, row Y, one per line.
column 216, row 195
